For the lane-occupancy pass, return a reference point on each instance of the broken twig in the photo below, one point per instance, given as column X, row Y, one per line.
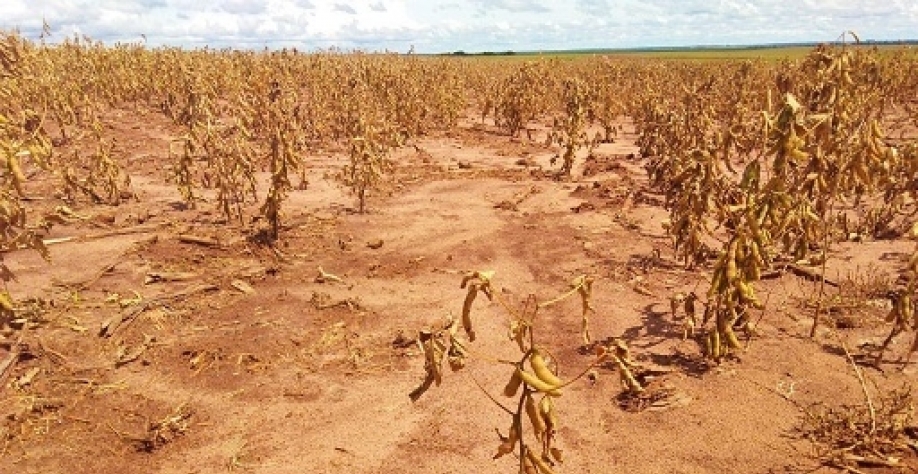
column 127, row 316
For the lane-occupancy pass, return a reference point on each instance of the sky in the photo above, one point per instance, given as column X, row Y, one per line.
column 433, row 26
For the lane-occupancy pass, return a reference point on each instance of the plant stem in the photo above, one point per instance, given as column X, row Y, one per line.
column 518, row 424
column 560, row 298
column 822, row 276
column 860, row 378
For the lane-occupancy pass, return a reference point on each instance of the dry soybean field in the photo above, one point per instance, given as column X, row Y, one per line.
column 219, row 260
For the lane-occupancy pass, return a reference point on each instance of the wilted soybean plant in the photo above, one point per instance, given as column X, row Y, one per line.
column 533, row 380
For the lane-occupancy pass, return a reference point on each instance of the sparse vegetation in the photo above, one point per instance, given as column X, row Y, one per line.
column 213, row 177
column 534, row 376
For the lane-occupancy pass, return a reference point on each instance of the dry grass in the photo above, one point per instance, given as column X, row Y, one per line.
column 849, row 435
column 861, row 299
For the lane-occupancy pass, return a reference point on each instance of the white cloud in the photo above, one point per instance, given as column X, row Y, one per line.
column 472, row 25
column 342, row 7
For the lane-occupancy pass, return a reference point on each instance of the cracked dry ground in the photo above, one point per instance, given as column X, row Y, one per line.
column 264, row 368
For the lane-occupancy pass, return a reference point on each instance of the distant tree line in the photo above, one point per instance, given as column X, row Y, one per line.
column 483, row 53
column 868, row 42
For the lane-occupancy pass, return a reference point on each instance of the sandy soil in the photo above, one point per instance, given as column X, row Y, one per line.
column 271, row 371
